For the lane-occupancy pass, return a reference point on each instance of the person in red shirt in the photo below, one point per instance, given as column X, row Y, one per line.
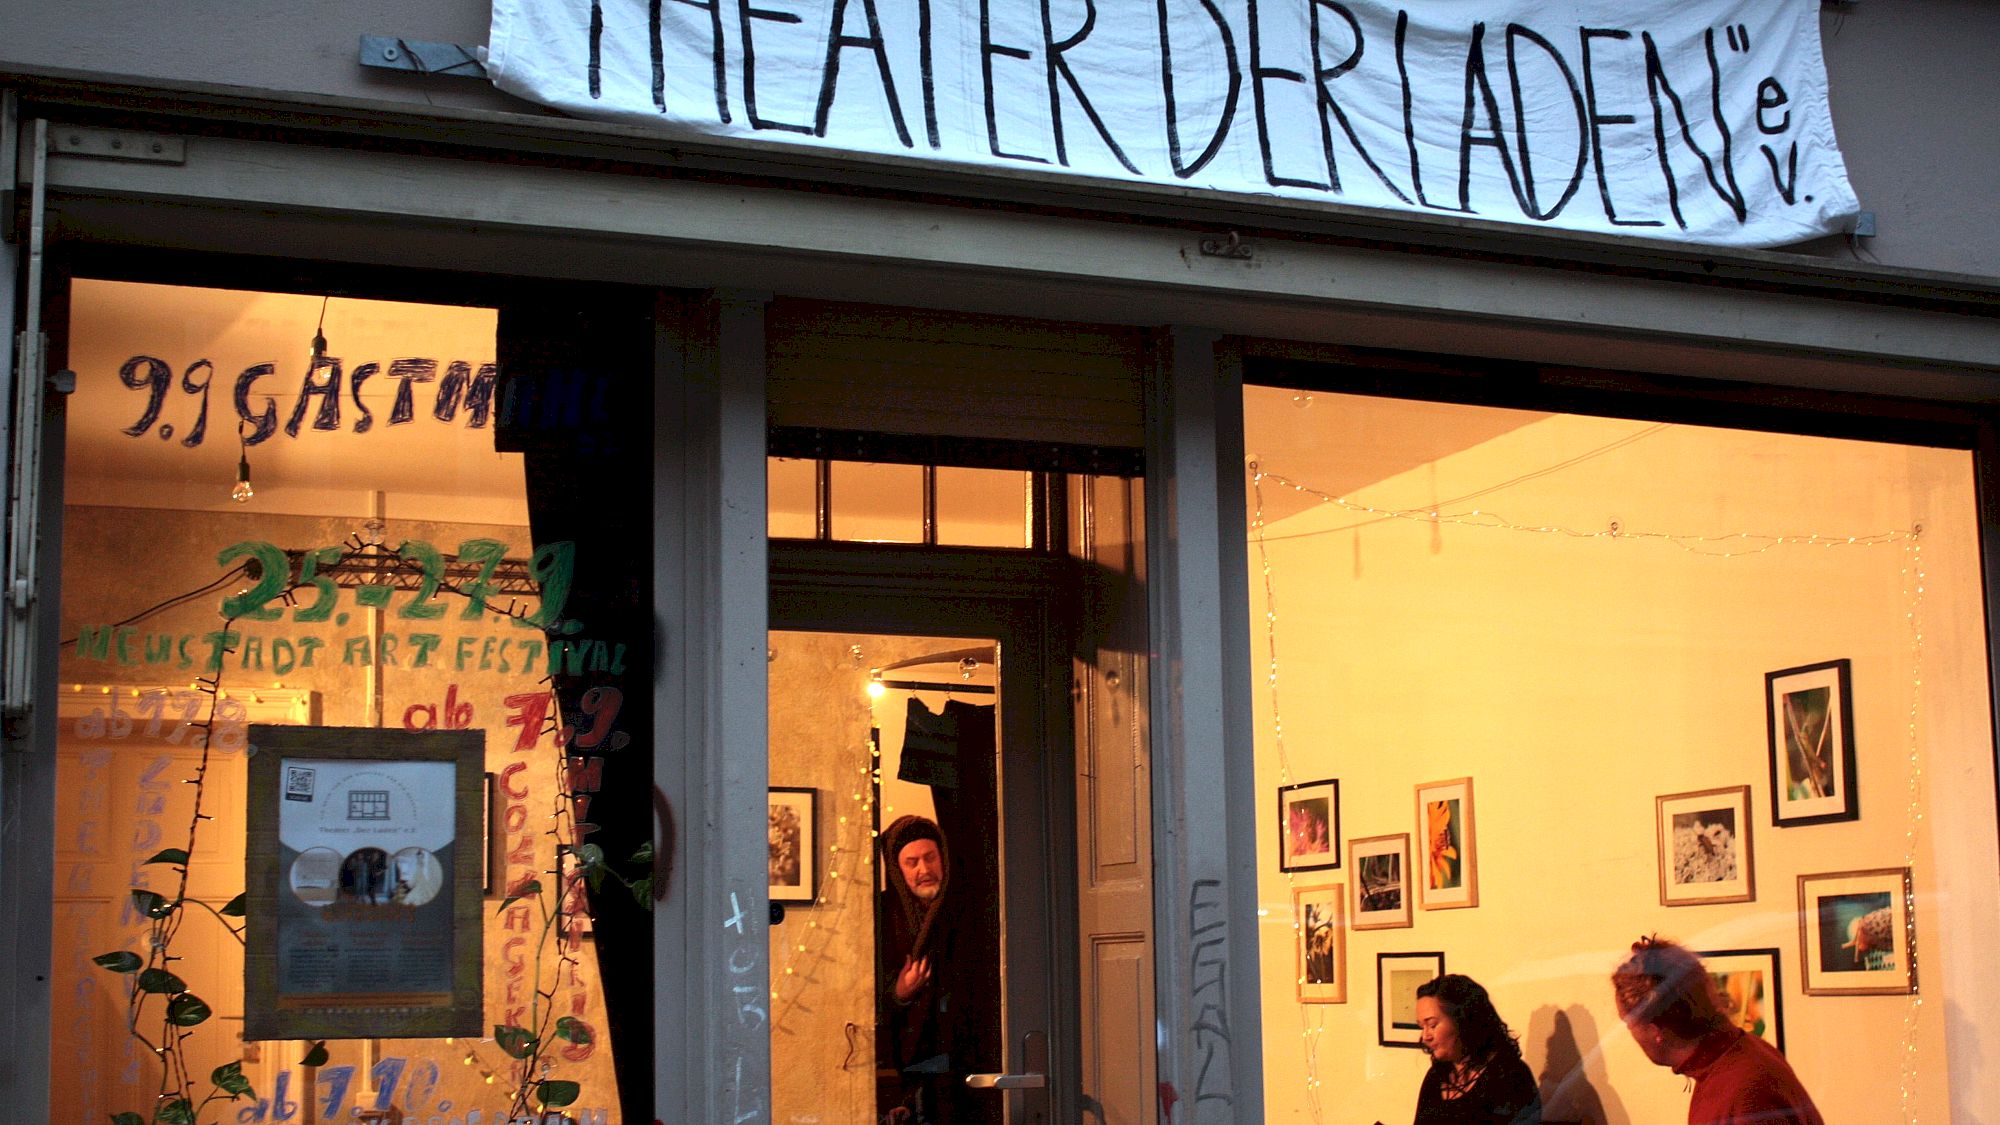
column 1668, row 1002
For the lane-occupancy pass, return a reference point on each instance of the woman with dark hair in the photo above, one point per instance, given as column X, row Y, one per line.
column 1477, row 1076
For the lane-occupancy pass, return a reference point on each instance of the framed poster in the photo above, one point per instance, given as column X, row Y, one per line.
column 1319, row 916
column 1809, row 719
column 1381, row 866
column 1397, row 978
column 1309, row 826
column 1858, row 933
column 363, row 878
column 794, row 829
column 1751, row 991
column 1704, row 845
column 1450, row 860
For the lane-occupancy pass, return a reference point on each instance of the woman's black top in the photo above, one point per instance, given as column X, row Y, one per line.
column 1503, row 1094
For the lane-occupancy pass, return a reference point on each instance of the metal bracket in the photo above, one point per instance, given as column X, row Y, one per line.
column 116, row 144
column 390, row 52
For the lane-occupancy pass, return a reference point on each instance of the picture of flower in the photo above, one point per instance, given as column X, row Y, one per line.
column 1750, row 990
column 1441, row 819
column 1309, row 826
column 1445, row 847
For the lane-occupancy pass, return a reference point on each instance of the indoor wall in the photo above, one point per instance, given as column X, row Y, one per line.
column 1578, row 614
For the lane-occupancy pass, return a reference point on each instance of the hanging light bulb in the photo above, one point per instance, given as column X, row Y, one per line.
column 875, row 686
column 242, row 492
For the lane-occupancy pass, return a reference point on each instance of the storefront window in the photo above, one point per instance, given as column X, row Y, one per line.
column 1530, row 686
column 292, row 509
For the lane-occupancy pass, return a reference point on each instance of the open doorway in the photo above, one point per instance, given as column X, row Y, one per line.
column 884, row 832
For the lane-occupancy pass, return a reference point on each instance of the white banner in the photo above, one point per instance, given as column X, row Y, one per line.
column 1688, row 120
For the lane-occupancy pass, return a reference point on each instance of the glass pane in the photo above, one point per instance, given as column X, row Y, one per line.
column 982, row 508
column 255, row 534
column 793, row 508
column 1525, row 682
column 878, row 503
column 850, row 758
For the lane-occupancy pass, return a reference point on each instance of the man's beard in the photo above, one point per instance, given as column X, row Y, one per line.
column 926, row 891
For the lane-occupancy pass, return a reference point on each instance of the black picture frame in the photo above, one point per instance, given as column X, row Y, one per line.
column 1396, row 981
column 794, row 829
column 1722, row 963
column 1309, row 826
column 1809, row 724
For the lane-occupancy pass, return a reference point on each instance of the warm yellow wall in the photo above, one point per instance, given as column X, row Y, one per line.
column 1576, row 679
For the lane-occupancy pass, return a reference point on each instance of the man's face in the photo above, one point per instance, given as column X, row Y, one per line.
column 923, row 868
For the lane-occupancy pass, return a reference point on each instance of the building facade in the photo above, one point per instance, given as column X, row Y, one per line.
column 699, row 471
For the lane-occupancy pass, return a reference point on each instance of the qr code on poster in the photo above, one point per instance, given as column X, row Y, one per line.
column 298, row 783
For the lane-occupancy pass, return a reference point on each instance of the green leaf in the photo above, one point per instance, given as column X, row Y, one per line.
column 589, row 855
column 644, row 855
column 150, row 903
column 555, row 1093
column 573, row 1029
column 119, row 961
column 521, row 890
column 176, row 1112
column 187, row 1010
column 316, row 1055
column 517, row 1042
column 234, row 908
column 127, row 1119
column 642, row 889
column 230, row 1080
column 162, row 982
column 169, row 855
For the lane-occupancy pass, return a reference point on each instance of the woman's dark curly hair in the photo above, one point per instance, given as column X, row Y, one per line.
column 1480, row 1027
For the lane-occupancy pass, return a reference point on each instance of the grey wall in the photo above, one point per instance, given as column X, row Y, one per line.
column 1911, row 89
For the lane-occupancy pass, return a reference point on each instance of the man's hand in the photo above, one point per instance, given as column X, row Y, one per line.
column 915, row 976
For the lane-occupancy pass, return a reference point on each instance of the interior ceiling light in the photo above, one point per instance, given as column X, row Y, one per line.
column 242, row 492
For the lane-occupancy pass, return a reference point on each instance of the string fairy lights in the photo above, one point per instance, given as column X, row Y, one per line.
column 1730, row 545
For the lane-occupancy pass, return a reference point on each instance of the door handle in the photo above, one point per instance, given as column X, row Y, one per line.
column 1029, row 1081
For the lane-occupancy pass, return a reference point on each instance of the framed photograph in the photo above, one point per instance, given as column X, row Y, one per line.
column 1381, row 876
column 1319, row 914
column 1858, row 933
column 1309, row 826
column 1397, row 978
column 1752, row 992
column 1704, row 840
column 1809, row 714
column 1450, row 878
column 794, row 844
column 363, row 873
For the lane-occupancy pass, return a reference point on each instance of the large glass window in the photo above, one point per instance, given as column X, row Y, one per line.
column 1530, row 686
column 292, row 509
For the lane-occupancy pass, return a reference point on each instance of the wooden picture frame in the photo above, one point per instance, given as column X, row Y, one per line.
column 1705, row 853
column 363, row 883
column 1319, row 919
column 794, row 841
column 1397, row 977
column 1751, row 986
column 1858, row 933
column 1809, row 724
column 1447, row 849
column 1309, row 826
column 1379, row 869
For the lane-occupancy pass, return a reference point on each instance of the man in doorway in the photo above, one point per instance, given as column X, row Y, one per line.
column 1669, row 1003
column 933, row 1009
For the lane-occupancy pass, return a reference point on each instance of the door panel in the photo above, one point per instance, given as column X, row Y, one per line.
column 1114, row 809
